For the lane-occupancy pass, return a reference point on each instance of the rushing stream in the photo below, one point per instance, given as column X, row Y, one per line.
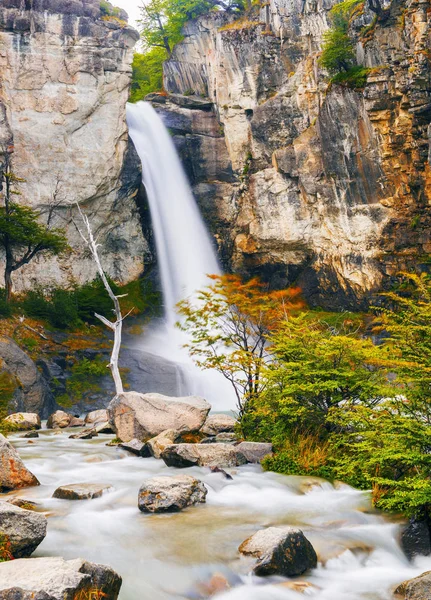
column 167, row 557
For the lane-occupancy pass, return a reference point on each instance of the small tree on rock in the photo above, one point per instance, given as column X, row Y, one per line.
column 22, row 235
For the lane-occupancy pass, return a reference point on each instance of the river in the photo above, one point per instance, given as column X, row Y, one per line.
column 168, row 557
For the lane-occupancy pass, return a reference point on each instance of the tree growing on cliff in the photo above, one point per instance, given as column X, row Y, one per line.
column 22, row 235
column 338, row 53
column 229, row 323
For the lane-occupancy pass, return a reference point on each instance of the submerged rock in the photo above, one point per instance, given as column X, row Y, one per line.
column 24, row 529
column 254, row 452
column 218, row 424
column 13, row 473
column 86, row 434
column 280, row 551
column 24, row 421
column 81, row 491
column 57, row 579
column 135, row 447
column 30, row 434
column 157, row 444
column 170, row 494
column 418, row 588
column 143, row 416
column 59, row 420
column 203, row 455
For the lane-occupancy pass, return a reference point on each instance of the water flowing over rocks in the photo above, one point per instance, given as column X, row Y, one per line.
column 23, row 529
column 143, row 416
column 24, row 421
column 170, row 494
column 13, row 473
column 56, row 579
column 203, row 455
column 280, row 551
column 218, row 424
column 81, row 491
column 65, row 82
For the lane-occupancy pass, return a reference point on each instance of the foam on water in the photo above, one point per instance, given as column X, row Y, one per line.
column 162, row 557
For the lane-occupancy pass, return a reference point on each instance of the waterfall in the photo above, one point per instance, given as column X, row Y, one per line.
column 184, row 250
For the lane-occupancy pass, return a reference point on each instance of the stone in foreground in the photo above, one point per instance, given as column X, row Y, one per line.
column 170, row 494
column 202, row 455
column 81, row 491
column 218, row 424
column 135, row 447
column 13, row 473
column 143, row 416
column 254, row 452
column 57, row 579
column 58, row 420
column 24, row 529
column 418, row 588
column 157, row 444
column 24, row 421
column 280, row 551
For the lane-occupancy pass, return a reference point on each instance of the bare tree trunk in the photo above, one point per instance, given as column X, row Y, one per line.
column 117, row 325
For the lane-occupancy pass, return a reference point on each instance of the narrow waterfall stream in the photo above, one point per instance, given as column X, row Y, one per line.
column 184, row 251
column 171, row 556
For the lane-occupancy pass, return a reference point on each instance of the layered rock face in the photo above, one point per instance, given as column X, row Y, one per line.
column 63, row 93
column 330, row 184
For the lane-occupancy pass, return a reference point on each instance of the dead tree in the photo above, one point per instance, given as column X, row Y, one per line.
column 116, row 325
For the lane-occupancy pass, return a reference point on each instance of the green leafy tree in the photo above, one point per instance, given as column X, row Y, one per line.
column 22, row 235
column 338, row 52
column 229, row 324
column 147, row 73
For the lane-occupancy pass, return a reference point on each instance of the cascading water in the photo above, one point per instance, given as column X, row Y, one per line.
column 185, row 254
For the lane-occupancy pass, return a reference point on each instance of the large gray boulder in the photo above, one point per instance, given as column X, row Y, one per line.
column 59, row 420
column 170, row 494
column 280, row 551
column 254, row 452
column 23, row 529
column 418, row 588
column 203, row 455
column 57, row 579
column 157, row 444
column 144, row 416
column 97, row 416
column 13, row 473
column 216, row 424
column 23, row 421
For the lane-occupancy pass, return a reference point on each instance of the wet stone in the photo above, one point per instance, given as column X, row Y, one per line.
column 136, row 447
column 170, row 494
column 81, row 491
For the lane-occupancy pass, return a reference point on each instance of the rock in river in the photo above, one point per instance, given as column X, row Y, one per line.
column 218, row 424
column 136, row 447
column 418, row 588
column 24, row 529
column 144, row 416
column 24, row 421
column 280, row 551
column 57, row 579
column 157, row 444
column 58, row 420
column 254, row 452
column 203, row 455
column 97, row 417
column 13, row 473
column 170, row 494
column 81, row 491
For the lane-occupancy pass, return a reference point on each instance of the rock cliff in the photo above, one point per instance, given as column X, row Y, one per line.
column 65, row 74
column 300, row 180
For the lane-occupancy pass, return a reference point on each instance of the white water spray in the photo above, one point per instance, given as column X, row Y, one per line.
column 185, row 254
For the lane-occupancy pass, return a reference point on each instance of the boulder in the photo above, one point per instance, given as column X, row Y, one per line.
column 24, row 529
column 76, row 422
column 13, row 473
column 81, row 491
column 58, row 420
column 23, row 421
column 170, row 494
column 218, row 424
column 254, row 452
column 105, row 427
column 157, row 444
column 203, row 455
column 280, row 551
column 97, row 416
column 418, row 588
column 86, row 434
column 57, row 579
column 143, row 416
column 416, row 538
column 136, row 447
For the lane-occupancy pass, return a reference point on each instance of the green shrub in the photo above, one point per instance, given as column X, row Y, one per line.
column 355, row 77
column 85, row 378
column 147, row 73
column 63, row 310
column 338, row 52
column 36, row 305
column 5, row 307
column 108, row 10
